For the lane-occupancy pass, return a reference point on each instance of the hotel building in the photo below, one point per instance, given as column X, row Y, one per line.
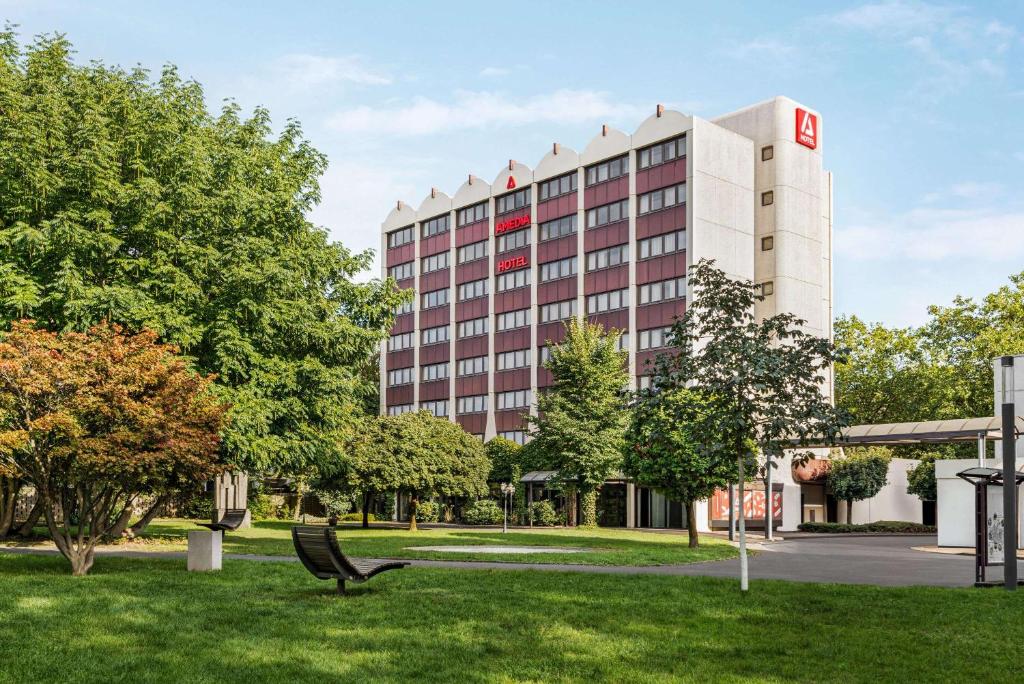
column 606, row 234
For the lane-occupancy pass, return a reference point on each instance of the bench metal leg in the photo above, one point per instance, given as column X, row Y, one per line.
column 341, row 587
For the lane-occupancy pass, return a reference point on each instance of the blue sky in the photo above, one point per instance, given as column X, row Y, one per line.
column 922, row 104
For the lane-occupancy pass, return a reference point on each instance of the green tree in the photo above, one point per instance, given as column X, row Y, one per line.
column 858, row 476
column 124, row 199
column 921, row 478
column 668, row 449
column 505, row 456
column 581, row 419
column 763, row 379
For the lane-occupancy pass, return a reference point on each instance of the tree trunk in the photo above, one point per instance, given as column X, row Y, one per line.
column 413, row 502
column 849, row 511
column 366, row 510
column 81, row 561
column 744, row 579
column 33, row 517
column 691, row 523
column 121, row 525
column 148, row 517
column 9, row 488
column 588, row 508
column 570, row 507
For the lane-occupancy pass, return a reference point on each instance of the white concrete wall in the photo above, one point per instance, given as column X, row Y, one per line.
column 955, row 505
column 892, row 503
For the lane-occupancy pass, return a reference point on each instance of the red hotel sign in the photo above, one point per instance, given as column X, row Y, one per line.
column 806, row 128
column 511, row 264
column 511, row 224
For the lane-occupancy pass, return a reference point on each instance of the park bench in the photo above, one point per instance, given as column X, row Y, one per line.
column 229, row 522
column 318, row 549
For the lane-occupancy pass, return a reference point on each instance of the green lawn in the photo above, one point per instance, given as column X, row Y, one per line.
column 149, row 620
column 610, row 546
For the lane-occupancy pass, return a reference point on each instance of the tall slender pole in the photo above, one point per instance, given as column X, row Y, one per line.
column 981, row 449
column 768, row 496
column 1009, row 497
column 744, row 582
column 732, row 514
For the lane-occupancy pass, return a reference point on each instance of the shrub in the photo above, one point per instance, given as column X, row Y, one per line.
column 482, row 512
column 427, row 511
column 543, row 514
column 335, row 504
column 357, row 517
column 262, row 507
column 882, row 526
column 198, row 507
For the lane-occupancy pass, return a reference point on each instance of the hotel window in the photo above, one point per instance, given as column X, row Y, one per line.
column 768, row 288
column 512, row 201
column 562, row 185
column 609, row 213
column 472, row 252
column 434, row 335
column 434, row 371
column 402, row 236
column 473, row 289
column 767, row 152
column 558, row 228
column 662, row 152
column 434, row 262
column 510, row 281
column 644, row 382
column 515, row 399
column 553, row 270
column 510, row 320
column 404, row 308
column 543, row 355
column 473, row 327
column 558, row 311
column 608, row 301
column 399, row 409
column 477, row 212
column 605, row 258
column 429, row 300
column 662, row 199
column 767, row 198
column 438, row 408
column 607, row 170
column 401, row 271
column 434, row 226
column 399, row 376
column 511, row 360
column 662, row 244
column 623, row 342
column 517, row 436
column 400, row 342
column 510, row 241
column 472, row 366
column 663, row 290
column 767, row 244
column 656, row 338
column 474, row 404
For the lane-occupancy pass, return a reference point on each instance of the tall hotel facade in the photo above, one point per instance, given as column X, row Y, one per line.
column 606, row 234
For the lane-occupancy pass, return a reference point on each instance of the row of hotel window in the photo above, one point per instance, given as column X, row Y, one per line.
column 520, row 199
column 504, row 401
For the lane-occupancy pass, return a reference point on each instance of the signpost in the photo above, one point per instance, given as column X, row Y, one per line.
column 1009, row 476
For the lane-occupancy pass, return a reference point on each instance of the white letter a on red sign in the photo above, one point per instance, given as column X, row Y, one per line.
column 511, row 183
column 807, row 127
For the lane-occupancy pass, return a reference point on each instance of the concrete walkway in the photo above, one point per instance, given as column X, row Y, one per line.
column 883, row 561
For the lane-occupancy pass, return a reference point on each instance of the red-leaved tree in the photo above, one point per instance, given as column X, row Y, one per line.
column 96, row 420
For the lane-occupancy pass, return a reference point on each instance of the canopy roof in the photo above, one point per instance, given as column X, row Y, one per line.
column 982, row 475
column 923, row 432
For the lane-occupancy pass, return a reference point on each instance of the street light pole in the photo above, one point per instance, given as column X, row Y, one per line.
column 1009, row 476
column 507, row 490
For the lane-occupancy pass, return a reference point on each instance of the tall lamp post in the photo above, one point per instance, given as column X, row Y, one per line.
column 508, row 489
column 1009, row 475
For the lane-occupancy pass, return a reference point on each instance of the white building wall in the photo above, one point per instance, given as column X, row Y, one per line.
column 955, row 506
column 892, row 503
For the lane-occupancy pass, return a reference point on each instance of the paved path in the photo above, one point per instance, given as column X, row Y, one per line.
column 885, row 561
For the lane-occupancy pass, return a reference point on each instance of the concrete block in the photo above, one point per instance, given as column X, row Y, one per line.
column 205, row 550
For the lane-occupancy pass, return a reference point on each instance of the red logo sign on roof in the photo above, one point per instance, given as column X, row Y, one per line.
column 511, row 183
column 806, row 128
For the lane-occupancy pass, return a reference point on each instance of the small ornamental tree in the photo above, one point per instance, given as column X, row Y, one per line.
column 921, row 478
column 370, row 468
column 763, row 379
column 668, row 450
column 505, row 457
column 95, row 420
column 582, row 419
column 859, row 476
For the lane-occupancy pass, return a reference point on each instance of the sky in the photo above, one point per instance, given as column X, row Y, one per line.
column 921, row 104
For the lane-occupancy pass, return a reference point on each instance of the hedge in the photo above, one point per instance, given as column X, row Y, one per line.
column 883, row 526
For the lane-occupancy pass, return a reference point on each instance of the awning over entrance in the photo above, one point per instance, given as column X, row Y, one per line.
column 539, row 476
column 922, row 432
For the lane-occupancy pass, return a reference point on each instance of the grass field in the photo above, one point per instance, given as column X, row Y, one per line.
column 149, row 620
column 610, row 546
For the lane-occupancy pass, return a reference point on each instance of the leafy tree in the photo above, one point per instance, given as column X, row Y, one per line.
column 921, row 478
column 762, row 379
column 667, row 449
column 95, row 421
column 124, row 199
column 582, row 418
column 505, row 456
column 859, row 476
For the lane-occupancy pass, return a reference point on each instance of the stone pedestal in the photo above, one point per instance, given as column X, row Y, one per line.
column 205, row 550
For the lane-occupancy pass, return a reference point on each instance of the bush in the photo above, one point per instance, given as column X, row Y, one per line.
column 335, row 504
column 198, row 507
column 543, row 514
column 882, row 526
column 356, row 517
column 482, row 512
column 262, row 507
column 427, row 511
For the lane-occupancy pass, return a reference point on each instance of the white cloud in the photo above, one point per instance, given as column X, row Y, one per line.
column 896, row 17
column 480, row 110
column 976, row 190
column 494, row 72
column 931, row 235
column 764, row 47
column 305, row 71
